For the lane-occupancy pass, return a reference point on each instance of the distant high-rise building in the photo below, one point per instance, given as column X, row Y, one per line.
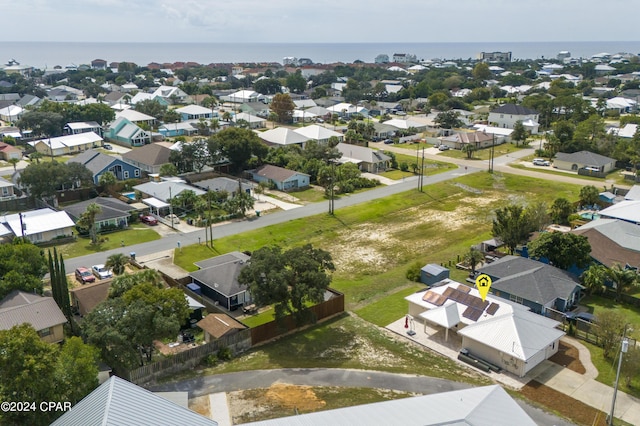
column 495, row 56
column 565, row 54
column 382, row 59
column 290, row 60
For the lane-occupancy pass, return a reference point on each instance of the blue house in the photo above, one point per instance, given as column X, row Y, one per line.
column 284, row 179
column 99, row 163
column 194, row 112
column 534, row 284
column 124, row 132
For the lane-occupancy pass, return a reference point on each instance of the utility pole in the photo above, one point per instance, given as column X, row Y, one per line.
column 332, row 188
column 623, row 350
column 170, row 209
column 491, row 155
column 422, row 171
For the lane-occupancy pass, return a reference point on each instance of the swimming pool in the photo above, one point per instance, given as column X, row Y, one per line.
column 129, row 195
column 590, row 215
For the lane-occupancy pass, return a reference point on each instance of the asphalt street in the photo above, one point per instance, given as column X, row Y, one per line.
column 257, row 379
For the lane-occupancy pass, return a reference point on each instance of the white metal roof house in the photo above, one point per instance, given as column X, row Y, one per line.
column 318, row 133
column 282, row 136
column 627, row 210
column 513, row 338
column 39, row 225
column 367, row 159
column 117, row 402
column 480, row 406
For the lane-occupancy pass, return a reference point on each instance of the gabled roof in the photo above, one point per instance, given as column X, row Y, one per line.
column 218, row 325
column 117, row 402
column 469, row 137
column 403, row 124
column 93, row 160
column 612, row 241
column 221, row 273
column 513, row 109
column 248, row 118
column 80, row 125
column 37, row 221
column 282, row 136
column 69, row 140
column 532, row 280
column 166, row 189
column 111, row 208
column 133, row 115
column 89, row 295
column 317, row 133
column 628, row 210
column 519, row 334
column 585, row 157
column 19, row 307
column 153, row 154
column 221, row 184
column 275, row 173
column 361, row 153
column 480, row 406
column 633, row 194
column 193, row 110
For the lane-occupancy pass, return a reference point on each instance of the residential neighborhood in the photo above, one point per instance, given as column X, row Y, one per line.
column 164, row 225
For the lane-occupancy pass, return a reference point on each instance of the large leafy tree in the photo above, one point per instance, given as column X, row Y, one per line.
column 296, row 82
column 511, row 226
column 137, row 312
column 283, row 106
column 44, row 179
column 151, row 107
column 239, row 146
column 562, row 249
column 33, row 370
column 268, row 86
column 47, row 124
column 22, row 267
column 448, row 120
column 519, row 133
column 87, row 221
column 288, row 279
column 589, row 195
column 611, row 325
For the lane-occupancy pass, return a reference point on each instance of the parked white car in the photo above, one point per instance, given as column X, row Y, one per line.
column 540, row 162
column 101, row 271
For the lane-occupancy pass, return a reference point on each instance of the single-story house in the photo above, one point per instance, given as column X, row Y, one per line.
column 172, row 94
column 534, row 284
column 70, row 144
column 507, row 115
column 39, row 226
column 216, row 326
column 7, row 189
column 407, row 124
column 142, row 96
column 253, row 121
column 218, row 280
column 164, row 190
column 42, row 313
column 125, row 132
column 584, row 159
column 318, row 133
column 82, row 127
column 226, row 184
column 383, row 131
column 149, row 158
column 194, row 112
column 243, row 96
column 183, row 128
column 136, row 117
column 87, row 297
column 496, row 330
column 346, row 110
column 99, row 163
column 11, row 113
column 284, row 179
column 502, row 135
column 8, row 152
column 282, row 136
column 476, row 139
column 114, row 213
column 367, row 159
column 117, row 399
column 612, row 241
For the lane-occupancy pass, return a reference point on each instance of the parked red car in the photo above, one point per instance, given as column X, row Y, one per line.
column 148, row 219
column 84, row 275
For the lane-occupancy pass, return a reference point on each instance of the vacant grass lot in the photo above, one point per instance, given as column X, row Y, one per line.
column 137, row 234
column 484, row 153
column 373, row 244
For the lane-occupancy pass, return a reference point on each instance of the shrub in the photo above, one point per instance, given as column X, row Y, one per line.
column 224, row 354
column 413, row 273
column 404, row 166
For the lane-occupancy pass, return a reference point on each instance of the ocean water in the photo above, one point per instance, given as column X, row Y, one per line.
column 48, row 54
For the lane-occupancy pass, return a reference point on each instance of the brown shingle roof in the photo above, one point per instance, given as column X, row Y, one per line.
column 154, row 154
column 218, row 325
column 88, row 296
column 275, row 173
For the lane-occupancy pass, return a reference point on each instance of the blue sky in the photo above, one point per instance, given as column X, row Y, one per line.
column 321, row 21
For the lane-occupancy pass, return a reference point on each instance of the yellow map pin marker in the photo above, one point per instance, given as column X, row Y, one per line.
column 483, row 283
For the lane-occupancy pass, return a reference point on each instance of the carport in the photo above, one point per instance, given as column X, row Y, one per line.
column 155, row 205
column 446, row 316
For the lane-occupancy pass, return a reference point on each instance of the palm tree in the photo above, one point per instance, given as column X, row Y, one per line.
column 36, row 156
column 14, row 162
column 469, row 149
column 214, row 125
column 622, row 278
column 117, row 262
column 473, row 257
column 593, row 278
column 88, row 221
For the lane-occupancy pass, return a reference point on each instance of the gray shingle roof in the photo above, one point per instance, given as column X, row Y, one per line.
column 154, row 154
column 111, row 208
column 220, row 273
column 19, row 307
column 532, row 280
column 514, row 110
column 275, row 173
column 221, row 184
column 93, row 160
column 585, row 157
column 117, row 402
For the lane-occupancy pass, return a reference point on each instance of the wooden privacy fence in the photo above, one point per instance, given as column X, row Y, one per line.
column 273, row 329
column 237, row 343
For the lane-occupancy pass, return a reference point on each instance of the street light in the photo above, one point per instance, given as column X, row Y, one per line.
column 623, row 350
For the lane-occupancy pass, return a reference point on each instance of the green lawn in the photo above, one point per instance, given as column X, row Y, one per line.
column 607, row 371
column 396, row 174
column 310, row 195
column 374, row 243
column 259, row 319
column 82, row 246
column 597, row 304
column 388, row 309
column 345, row 342
column 431, row 167
column 594, row 180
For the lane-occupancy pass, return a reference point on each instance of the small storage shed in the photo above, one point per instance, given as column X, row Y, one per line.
column 432, row 273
